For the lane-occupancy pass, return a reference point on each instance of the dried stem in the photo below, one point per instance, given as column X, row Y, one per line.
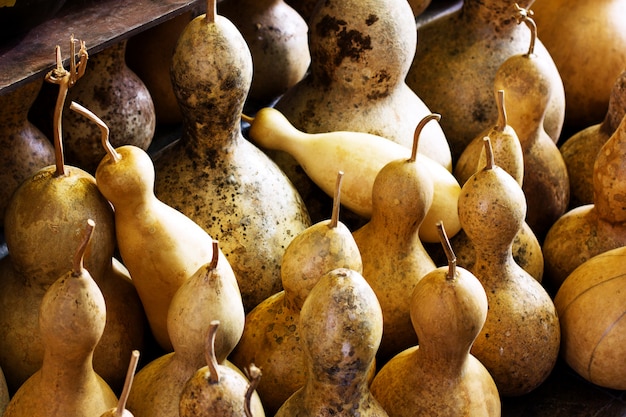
column 254, row 375
column 211, row 360
column 334, row 219
column 247, row 119
column 79, row 255
column 490, row 162
column 502, row 120
column 524, row 15
column 447, row 248
column 65, row 79
column 104, row 129
column 418, row 132
column 211, row 11
column 215, row 256
column 130, row 375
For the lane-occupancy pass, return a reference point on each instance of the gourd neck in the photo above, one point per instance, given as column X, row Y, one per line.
column 202, row 134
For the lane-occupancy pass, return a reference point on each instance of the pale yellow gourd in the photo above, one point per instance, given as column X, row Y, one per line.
column 360, row 156
column 160, row 246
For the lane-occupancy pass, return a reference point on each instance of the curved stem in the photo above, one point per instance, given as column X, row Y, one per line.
column 209, row 351
column 104, row 129
column 254, row 375
column 524, row 15
column 215, row 256
column 130, row 375
column 490, row 163
column 447, row 248
column 334, row 219
column 502, row 120
column 247, row 119
column 418, row 132
column 79, row 255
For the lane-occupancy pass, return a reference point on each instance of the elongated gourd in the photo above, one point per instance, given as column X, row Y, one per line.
column 360, row 156
column 519, row 342
column 394, row 258
column 160, row 246
column 271, row 338
column 440, row 377
column 71, row 320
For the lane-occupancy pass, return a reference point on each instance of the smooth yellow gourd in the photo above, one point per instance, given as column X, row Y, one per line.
column 360, row 156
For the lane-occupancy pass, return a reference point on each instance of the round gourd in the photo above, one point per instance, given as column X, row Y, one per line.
column 591, row 305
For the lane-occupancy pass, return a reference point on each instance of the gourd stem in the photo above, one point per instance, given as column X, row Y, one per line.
column 254, row 375
column 246, row 118
column 104, row 129
column 418, row 132
column 65, row 79
column 130, row 375
column 524, row 15
column 211, row 11
column 502, row 120
column 447, row 248
column 334, row 219
column 211, row 360
column 490, row 162
column 79, row 255
column 215, row 255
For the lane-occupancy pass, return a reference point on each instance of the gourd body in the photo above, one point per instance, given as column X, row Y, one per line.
column 271, row 338
column 341, row 329
column 581, row 149
column 116, row 95
column 216, row 177
column 446, row 57
column 588, row 46
column 25, row 149
column 277, row 37
column 44, row 219
column 590, row 304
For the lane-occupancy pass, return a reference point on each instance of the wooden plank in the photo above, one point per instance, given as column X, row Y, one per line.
column 98, row 23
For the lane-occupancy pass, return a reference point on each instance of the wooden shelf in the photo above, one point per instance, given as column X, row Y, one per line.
column 99, row 23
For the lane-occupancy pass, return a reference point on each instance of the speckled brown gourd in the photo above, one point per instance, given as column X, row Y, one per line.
column 149, row 55
column 590, row 304
column 440, row 377
column 117, row 96
column 360, row 156
column 519, row 343
column 218, row 390
column 160, row 246
column 44, row 221
column 581, row 149
column 448, row 75
column 215, row 176
column 71, row 321
column 209, row 294
column 120, row 410
column 271, row 339
column 394, row 258
column 588, row 230
column 277, row 36
column 588, row 64
column 341, row 326
column 360, row 55
column 525, row 79
column 24, row 148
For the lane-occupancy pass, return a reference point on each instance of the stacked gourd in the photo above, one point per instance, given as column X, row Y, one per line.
column 223, row 269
